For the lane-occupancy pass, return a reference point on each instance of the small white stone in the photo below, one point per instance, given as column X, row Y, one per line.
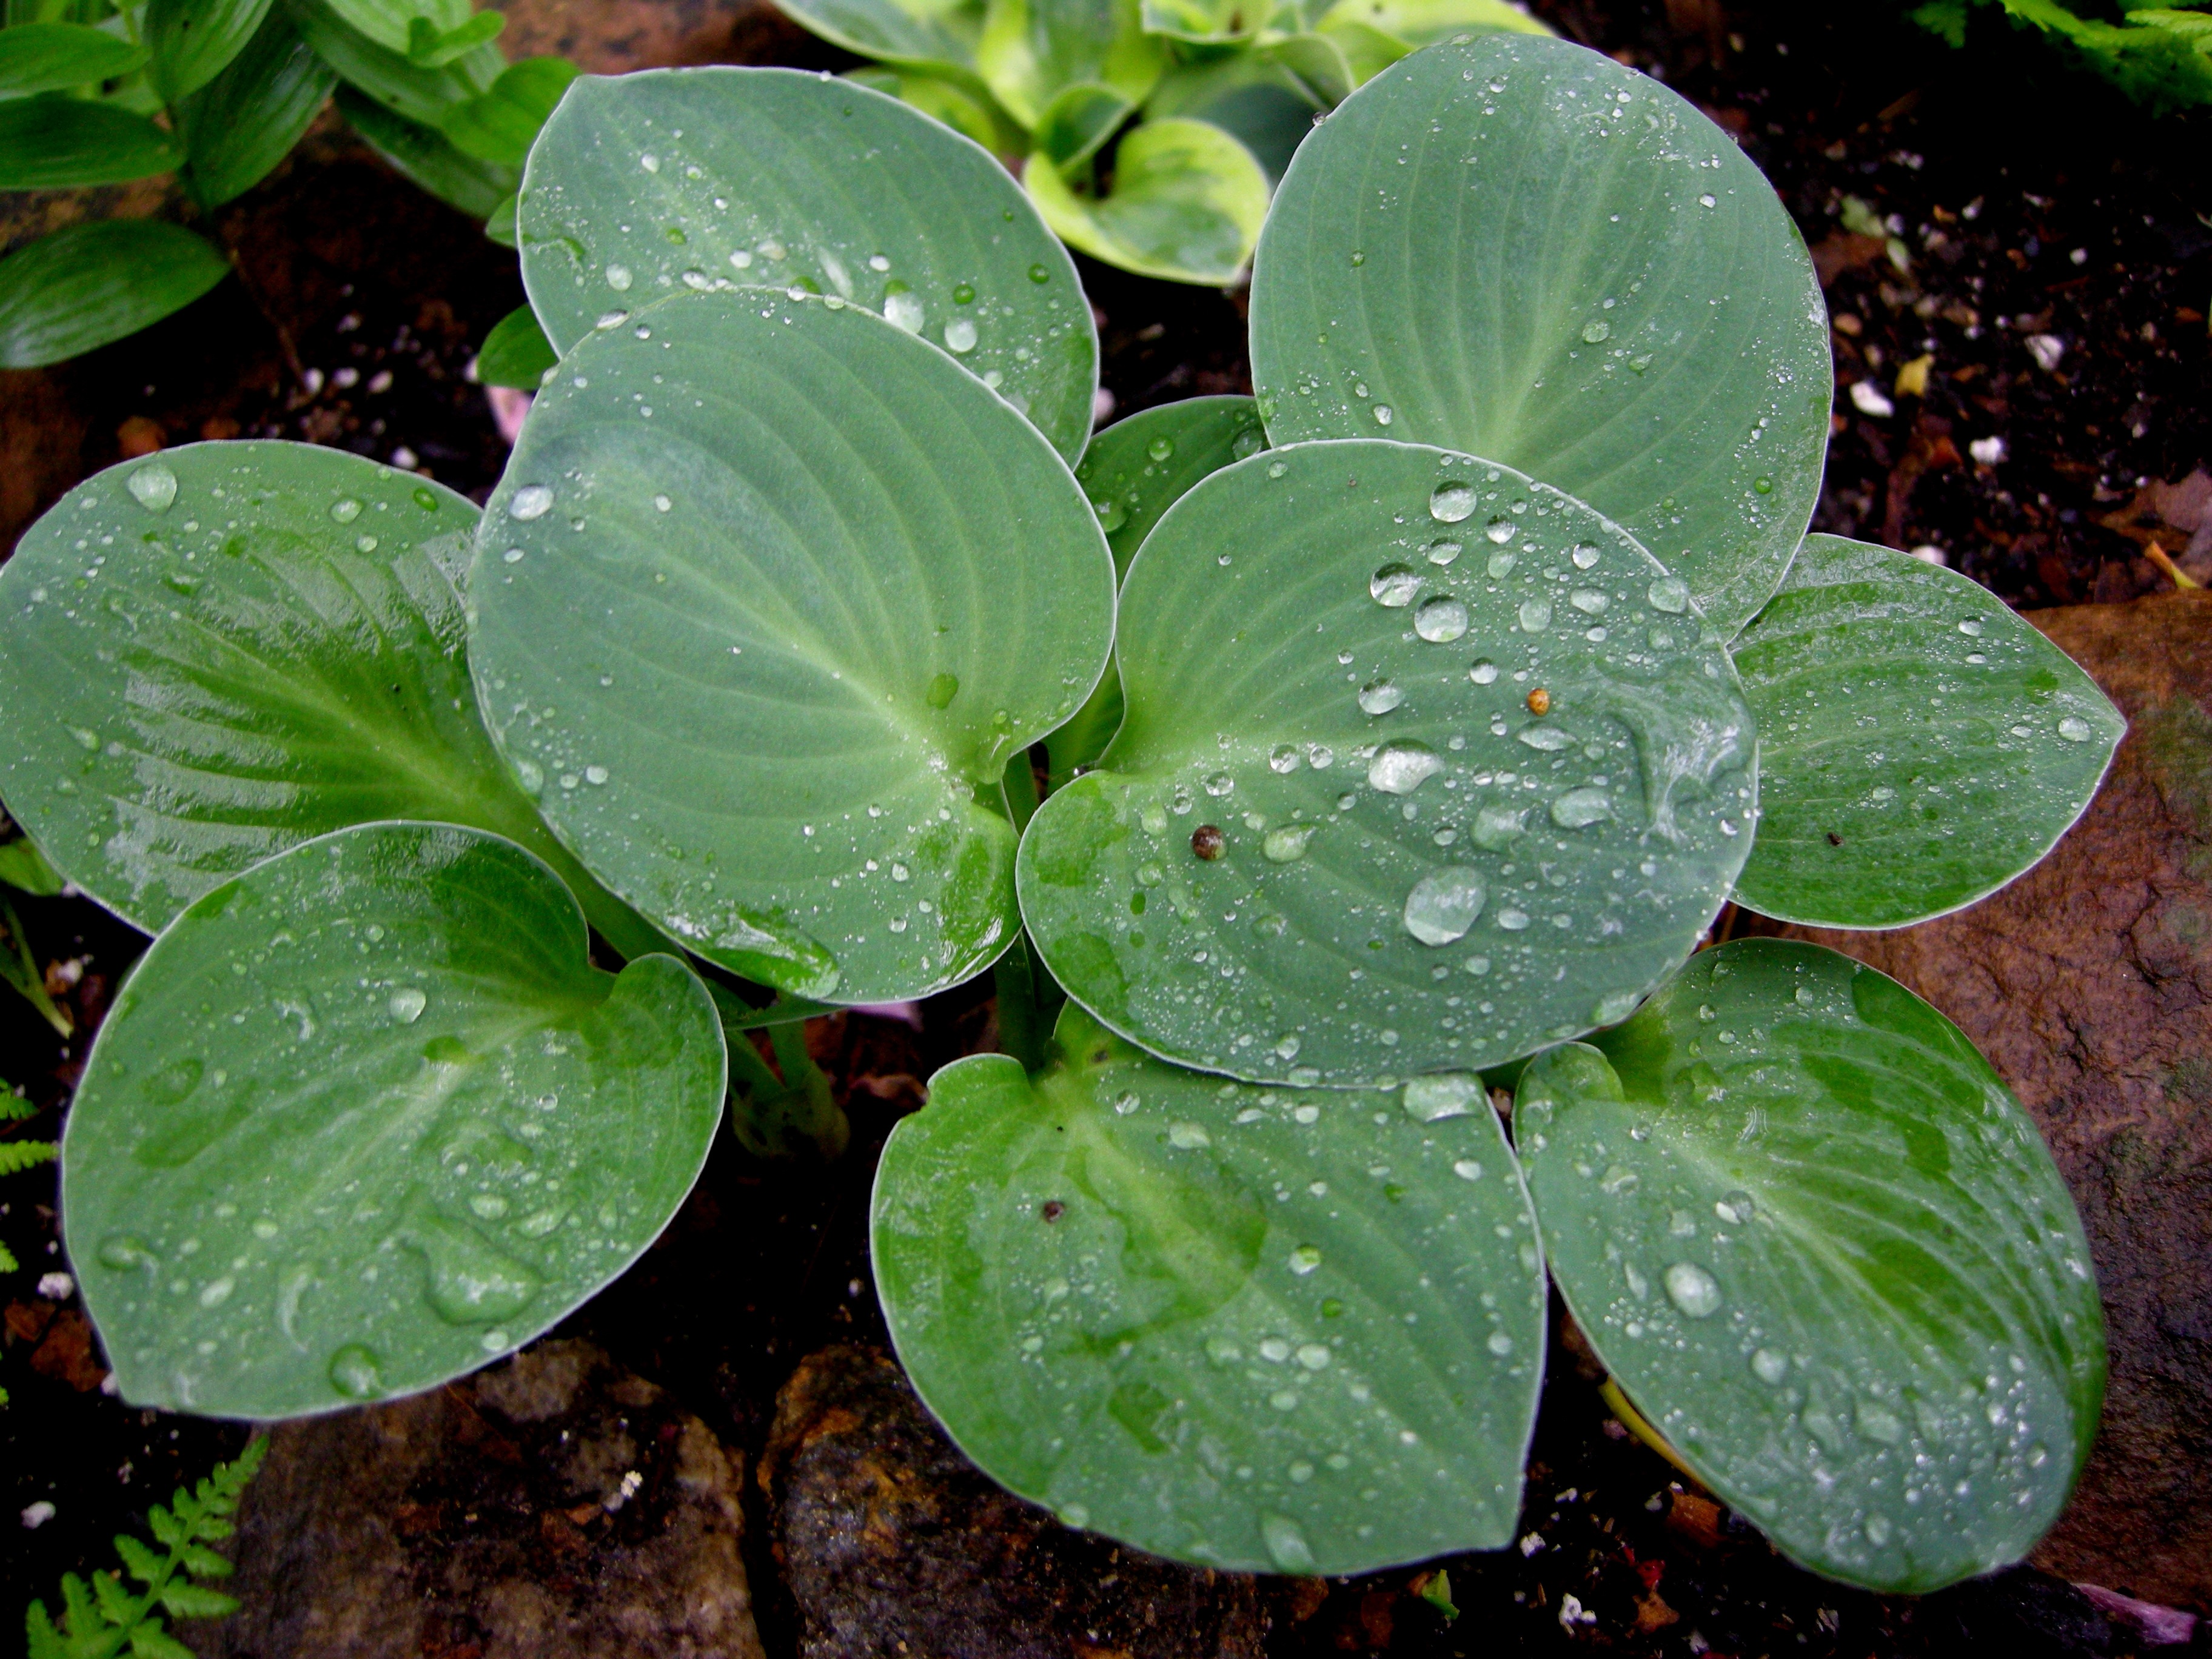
column 1869, row 399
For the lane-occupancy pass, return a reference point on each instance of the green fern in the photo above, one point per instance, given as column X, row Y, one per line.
column 103, row 1618
column 16, row 1154
column 2158, row 55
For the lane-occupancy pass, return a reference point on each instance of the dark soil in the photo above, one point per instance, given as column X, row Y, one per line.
column 2027, row 203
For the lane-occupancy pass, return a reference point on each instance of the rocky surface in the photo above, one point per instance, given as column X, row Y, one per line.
column 554, row 1505
column 2088, row 984
column 893, row 1544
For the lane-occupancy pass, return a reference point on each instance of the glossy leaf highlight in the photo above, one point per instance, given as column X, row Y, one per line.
column 1924, row 746
column 769, row 596
column 366, row 1118
column 1288, row 1331
column 1826, row 1253
column 89, row 284
column 1522, row 250
column 1327, row 653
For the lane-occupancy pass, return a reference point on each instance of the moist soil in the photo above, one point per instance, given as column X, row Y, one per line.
column 2040, row 249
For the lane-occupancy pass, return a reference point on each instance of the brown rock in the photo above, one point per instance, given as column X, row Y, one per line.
column 895, row 1546
column 610, row 37
column 554, row 1505
column 2088, row 984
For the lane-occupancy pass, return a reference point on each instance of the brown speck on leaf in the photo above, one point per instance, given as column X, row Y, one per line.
column 1834, row 840
column 1540, row 702
column 1207, row 841
column 1052, row 1209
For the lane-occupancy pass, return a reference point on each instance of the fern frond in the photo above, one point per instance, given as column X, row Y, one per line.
column 14, row 1108
column 17, row 1154
column 104, row 1619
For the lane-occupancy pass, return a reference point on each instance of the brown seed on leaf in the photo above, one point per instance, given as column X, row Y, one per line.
column 1540, row 702
column 1052, row 1209
column 1205, row 841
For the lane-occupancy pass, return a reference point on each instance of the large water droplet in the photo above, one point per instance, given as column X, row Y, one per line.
column 345, row 511
column 2074, row 729
column 942, row 688
column 1670, row 594
column 472, row 1284
column 1448, row 503
column 407, row 1003
column 1693, row 1290
column 1394, row 584
column 1535, row 616
column 1400, row 768
column 1440, row 620
column 1483, row 673
column 903, row 308
column 1380, row 697
column 125, row 1252
column 1305, row 1259
column 1443, row 905
column 618, row 278
column 1441, row 1095
column 1443, row 550
column 1769, row 1366
column 1160, row 448
column 1495, row 827
column 1580, row 808
column 1286, row 1546
column 154, row 486
column 1287, row 844
column 355, row 1371
column 960, row 335
column 531, row 501
column 1546, row 739
column 1593, row 333
column 1187, row 1136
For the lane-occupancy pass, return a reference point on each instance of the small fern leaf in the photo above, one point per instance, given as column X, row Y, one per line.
column 8, row 1265
column 117, row 1605
column 15, row 1108
column 16, row 1154
column 150, row 1641
column 142, row 1563
column 170, row 1531
column 203, row 1563
column 79, row 1616
column 186, row 1600
column 45, row 1641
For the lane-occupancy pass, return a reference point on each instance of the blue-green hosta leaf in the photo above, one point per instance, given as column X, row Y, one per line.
column 216, row 653
column 1292, row 1331
column 1825, row 1252
column 53, row 56
column 769, row 594
column 919, row 33
column 55, row 142
column 1031, row 51
column 1522, row 250
column 710, row 179
column 1922, row 744
column 1327, row 653
column 88, row 284
column 1132, row 472
column 1187, row 203
column 365, row 1117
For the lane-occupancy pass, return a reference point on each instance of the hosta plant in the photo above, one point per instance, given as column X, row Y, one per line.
column 1148, row 133
column 1401, row 732
column 99, row 92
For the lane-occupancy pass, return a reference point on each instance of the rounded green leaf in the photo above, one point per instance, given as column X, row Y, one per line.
column 1826, row 1253
column 923, row 34
column 1522, row 250
column 90, row 284
column 216, row 653
column 711, row 178
column 1187, row 203
column 516, row 353
column 1277, row 1331
column 1327, row 653
column 1032, row 51
column 427, row 158
column 770, row 593
column 1924, row 746
column 366, row 1118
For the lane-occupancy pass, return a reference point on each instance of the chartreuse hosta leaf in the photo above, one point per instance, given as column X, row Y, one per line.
column 1516, row 247
column 214, row 653
column 1296, row 1331
column 1328, row 654
column 1187, row 203
column 1825, row 1252
column 769, row 594
column 1031, row 51
column 1923, row 746
column 645, row 185
column 365, row 1117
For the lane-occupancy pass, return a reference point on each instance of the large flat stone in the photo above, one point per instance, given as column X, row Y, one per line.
column 895, row 1546
column 555, row 1507
column 2088, row 984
